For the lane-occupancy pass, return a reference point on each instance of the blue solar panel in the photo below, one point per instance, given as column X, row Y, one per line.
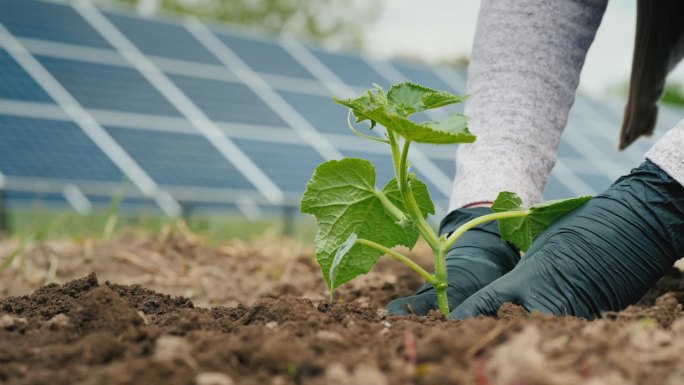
column 34, row 198
column 106, row 87
column 265, row 56
column 209, row 207
column 228, row 102
column 598, row 183
column 142, row 206
column 51, row 149
column 556, row 190
column 447, row 166
column 179, row 159
column 321, row 112
column 162, row 39
column 566, row 150
column 351, row 69
column 668, row 117
column 16, row 84
column 48, row 21
column 290, row 166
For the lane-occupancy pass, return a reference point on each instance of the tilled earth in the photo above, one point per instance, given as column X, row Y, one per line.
column 256, row 313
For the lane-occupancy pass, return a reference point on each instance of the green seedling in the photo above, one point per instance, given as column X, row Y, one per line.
column 359, row 222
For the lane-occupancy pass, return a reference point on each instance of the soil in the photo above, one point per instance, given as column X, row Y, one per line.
column 178, row 311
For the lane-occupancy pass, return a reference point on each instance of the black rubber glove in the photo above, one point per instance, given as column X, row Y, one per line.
column 602, row 256
column 476, row 259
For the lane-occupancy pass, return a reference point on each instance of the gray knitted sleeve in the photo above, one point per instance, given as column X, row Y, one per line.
column 668, row 153
column 523, row 74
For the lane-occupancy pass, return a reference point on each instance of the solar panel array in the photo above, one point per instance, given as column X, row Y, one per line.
column 192, row 115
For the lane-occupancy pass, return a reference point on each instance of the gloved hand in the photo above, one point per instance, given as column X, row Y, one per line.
column 476, row 259
column 602, row 256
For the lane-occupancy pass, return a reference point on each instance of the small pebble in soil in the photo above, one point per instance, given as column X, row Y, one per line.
column 213, row 378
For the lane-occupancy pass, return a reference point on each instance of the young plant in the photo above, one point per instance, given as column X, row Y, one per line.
column 358, row 222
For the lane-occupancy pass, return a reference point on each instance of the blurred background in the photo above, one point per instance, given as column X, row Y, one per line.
column 139, row 112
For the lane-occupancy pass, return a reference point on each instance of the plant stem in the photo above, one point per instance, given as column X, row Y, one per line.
column 400, row 257
column 478, row 221
column 355, row 131
column 389, row 206
column 410, row 201
column 441, row 283
column 395, row 152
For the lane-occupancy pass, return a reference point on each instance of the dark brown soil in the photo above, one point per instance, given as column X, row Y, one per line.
column 89, row 332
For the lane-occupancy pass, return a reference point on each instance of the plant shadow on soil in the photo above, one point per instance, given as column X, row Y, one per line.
column 88, row 332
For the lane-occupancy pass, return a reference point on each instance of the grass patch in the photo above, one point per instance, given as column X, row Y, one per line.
column 46, row 224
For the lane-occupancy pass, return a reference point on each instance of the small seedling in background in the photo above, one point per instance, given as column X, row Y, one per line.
column 358, row 223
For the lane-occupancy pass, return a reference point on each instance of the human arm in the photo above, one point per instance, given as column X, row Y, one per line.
column 524, row 70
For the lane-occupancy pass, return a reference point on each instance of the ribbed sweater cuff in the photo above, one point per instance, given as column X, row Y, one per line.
column 668, row 153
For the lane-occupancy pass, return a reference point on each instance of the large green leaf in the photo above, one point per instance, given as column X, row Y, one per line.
column 410, row 97
column 343, row 198
column 522, row 231
column 453, row 129
column 420, row 192
column 392, row 110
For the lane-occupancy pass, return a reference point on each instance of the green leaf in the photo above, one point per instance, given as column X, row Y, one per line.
column 522, row 231
column 453, row 129
column 341, row 253
column 368, row 101
column 343, row 198
column 409, row 98
column 420, row 192
column 391, row 111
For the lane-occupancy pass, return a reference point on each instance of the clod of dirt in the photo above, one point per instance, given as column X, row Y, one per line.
column 10, row 322
column 59, row 321
column 102, row 309
column 174, row 349
column 284, row 309
column 329, row 336
column 100, row 348
column 665, row 311
column 49, row 300
column 671, row 282
column 510, row 311
column 213, row 378
column 148, row 301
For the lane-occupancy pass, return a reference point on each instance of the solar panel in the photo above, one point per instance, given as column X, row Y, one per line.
column 328, row 117
column 163, row 39
column 352, row 69
column 48, row 21
column 288, row 165
column 556, row 190
column 106, row 87
column 179, row 159
column 228, row 102
column 49, row 149
column 241, row 136
column 16, row 84
column 266, row 57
